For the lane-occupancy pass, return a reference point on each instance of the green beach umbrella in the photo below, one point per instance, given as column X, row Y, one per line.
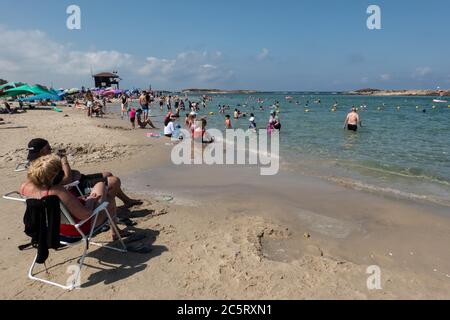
column 18, row 91
column 25, row 90
column 38, row 89
column 11, row 85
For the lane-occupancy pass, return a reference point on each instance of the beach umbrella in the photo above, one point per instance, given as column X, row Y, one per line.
column 18, row 91
column 108, row 93
column 10, row 85
column 73, row 91
column 25, row 90
column 38, row 89
column 42, row 96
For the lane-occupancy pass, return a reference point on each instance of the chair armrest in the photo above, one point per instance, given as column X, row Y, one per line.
column 72, row 185
column 21, row 167
column 99, row 209
column 14, row 196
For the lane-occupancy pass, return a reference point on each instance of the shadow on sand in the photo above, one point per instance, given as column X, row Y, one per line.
column 116, row 266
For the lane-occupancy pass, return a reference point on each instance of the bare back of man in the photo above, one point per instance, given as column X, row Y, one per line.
column 352, row 121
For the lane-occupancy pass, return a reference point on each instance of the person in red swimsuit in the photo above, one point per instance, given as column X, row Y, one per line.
column 44, row 177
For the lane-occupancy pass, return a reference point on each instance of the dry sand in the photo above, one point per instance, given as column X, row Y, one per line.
column 209, row 247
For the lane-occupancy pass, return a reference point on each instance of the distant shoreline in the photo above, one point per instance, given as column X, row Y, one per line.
column 361, row 92
column 388, row 93
column 218, row 91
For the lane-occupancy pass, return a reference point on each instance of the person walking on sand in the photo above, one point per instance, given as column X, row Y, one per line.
column 124, row 105
column 352, row 121
column 89, row 97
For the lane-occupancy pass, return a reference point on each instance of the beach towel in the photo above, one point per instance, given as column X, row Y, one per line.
column 42, row 221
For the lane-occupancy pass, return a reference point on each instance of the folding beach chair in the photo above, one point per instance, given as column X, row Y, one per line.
column 67, row 219
column 21, row 167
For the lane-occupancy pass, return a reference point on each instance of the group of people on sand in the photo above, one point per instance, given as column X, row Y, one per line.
column 94, row 105
column 197, row 128
column 48, row 174
column 138, row 117
column 7, row 109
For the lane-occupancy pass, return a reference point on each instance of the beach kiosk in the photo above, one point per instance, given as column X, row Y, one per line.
column 107, row 80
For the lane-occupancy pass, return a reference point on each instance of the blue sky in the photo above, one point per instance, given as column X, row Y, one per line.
column 263, row 45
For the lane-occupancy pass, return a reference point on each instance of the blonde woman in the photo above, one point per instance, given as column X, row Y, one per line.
column 44, row 177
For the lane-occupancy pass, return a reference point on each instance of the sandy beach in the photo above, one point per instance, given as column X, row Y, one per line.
column 223, row 232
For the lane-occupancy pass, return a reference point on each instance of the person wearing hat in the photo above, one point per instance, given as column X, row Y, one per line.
column 38, row 148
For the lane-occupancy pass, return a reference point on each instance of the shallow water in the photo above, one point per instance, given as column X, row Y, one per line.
column 400, row 150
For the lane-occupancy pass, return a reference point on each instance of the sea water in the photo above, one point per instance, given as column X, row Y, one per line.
column 402, row 150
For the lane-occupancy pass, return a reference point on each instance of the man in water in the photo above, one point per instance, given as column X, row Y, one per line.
column 352, row 121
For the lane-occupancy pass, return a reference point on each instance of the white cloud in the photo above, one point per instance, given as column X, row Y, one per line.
column 364, row 80
column 422, row 72
column 187, row 68
column 264, row 54
column 30, row 55
column 385, row 77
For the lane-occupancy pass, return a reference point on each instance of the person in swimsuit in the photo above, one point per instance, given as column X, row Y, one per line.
column 143, row 124
column 124, row 105
column 43, row 180
column 252, row 122
column 133, row 118
column 38, row 148
column 200, row 133
column 228, row 125
column 352, row 121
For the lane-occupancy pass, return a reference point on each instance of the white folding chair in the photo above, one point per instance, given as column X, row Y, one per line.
column 66, row 218
column 76, row 185
column 21, row 167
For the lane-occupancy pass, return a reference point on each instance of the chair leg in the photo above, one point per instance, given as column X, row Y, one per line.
column 80, row 265
column 32, row 277
column 116, row 231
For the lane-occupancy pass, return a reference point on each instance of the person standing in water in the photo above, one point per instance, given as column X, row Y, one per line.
column 228, row 124
column 352, row 121
column 252, row 122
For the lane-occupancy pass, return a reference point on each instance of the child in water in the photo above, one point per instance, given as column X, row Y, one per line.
column 228, row 125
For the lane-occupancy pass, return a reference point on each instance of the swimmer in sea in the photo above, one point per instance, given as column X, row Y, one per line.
column 352, row 121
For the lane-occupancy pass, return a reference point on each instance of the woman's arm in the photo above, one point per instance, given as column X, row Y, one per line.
column 68, row 176
column 76, row 209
